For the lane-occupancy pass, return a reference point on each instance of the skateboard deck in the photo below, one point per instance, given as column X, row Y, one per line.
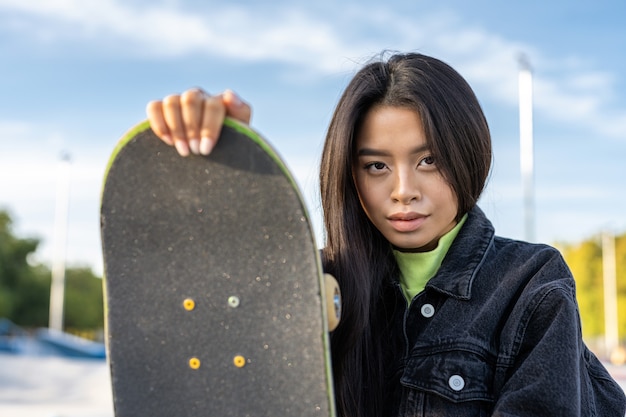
column 214, row 290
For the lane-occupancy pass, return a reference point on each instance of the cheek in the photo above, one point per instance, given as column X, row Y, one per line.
column 364, row 194
column 448, row 198
column 361, row 194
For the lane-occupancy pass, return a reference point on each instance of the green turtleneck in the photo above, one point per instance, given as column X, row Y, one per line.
column 416, row 268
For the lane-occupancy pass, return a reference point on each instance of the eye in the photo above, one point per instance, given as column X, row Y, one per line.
column 427, row 161
column 375, row 167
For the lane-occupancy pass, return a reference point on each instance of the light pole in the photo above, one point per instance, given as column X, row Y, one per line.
column 57, row 286
column 609, row 273
column 526, row 145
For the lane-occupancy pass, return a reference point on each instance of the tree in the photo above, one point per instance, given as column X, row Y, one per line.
column 22, row 286
column 585, row 261
column 25, row 288
column 84, row 305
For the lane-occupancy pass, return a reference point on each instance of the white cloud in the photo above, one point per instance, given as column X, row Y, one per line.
column 162, row 31
column 327, row 43
column 567, row 89
column 30, row 174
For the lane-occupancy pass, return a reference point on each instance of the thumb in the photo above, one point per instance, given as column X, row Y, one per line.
column 236, row 107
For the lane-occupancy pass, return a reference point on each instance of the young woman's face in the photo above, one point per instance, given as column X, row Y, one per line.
column 399, row 185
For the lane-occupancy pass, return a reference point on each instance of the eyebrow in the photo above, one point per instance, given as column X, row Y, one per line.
column 379, row 152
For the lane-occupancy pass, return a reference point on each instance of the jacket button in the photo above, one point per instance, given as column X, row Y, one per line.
column 428, row 310
column 456, row 382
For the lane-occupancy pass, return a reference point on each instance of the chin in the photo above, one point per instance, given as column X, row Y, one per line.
column 412, row 246
column 408, row 247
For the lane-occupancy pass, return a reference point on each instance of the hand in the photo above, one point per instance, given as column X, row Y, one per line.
column 192, row 121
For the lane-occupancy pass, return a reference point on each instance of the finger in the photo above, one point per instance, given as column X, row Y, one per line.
column 154, row 110
column 192, row 105
column 173, row 117
column 236, row 107
column 213, row 116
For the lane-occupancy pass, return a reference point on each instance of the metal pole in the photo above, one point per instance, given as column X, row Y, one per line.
column 609, row 273
column 526, row 145
column 57, row 287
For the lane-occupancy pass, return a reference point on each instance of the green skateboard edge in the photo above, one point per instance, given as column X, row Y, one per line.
column 270, row 151
column 232, row 123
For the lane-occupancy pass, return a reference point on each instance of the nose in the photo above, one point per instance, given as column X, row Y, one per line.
column 405, row 187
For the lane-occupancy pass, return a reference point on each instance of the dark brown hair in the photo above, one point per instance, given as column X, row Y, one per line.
column 356, row 252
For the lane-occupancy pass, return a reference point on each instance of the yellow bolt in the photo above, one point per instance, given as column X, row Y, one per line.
column 189, row 304
column 194, row 363
column 239, row 361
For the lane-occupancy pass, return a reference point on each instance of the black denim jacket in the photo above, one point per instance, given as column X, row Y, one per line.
column 496, row 332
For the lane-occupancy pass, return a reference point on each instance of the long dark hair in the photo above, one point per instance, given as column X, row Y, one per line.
column 356, row 252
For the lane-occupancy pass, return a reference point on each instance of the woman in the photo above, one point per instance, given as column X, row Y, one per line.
column 440, row 315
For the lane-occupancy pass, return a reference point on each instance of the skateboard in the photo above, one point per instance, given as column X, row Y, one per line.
column 216, row 303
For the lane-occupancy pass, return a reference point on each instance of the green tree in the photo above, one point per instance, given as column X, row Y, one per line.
column 25, row 288
column 32, row 298
column 22, row 286
column 83, row 300
column 620, row 260
column 585, row 261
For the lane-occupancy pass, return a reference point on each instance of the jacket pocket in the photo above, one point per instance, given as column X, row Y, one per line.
column 456, row 373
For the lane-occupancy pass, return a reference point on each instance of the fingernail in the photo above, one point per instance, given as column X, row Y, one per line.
column 194, row 146
column 167, row 139
column 182, row 148
column 206, row 146
column 235, row 101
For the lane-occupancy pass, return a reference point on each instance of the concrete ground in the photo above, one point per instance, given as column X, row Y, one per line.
column 49, row 386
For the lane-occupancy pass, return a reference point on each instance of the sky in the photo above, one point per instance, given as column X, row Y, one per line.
column 77, row 74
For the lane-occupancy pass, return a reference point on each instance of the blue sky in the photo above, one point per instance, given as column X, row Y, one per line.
column 76, row 74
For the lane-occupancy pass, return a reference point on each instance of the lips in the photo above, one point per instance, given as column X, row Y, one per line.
column 406, row 222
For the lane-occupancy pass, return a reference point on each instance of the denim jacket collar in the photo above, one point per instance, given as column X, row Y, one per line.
column 465, row 256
